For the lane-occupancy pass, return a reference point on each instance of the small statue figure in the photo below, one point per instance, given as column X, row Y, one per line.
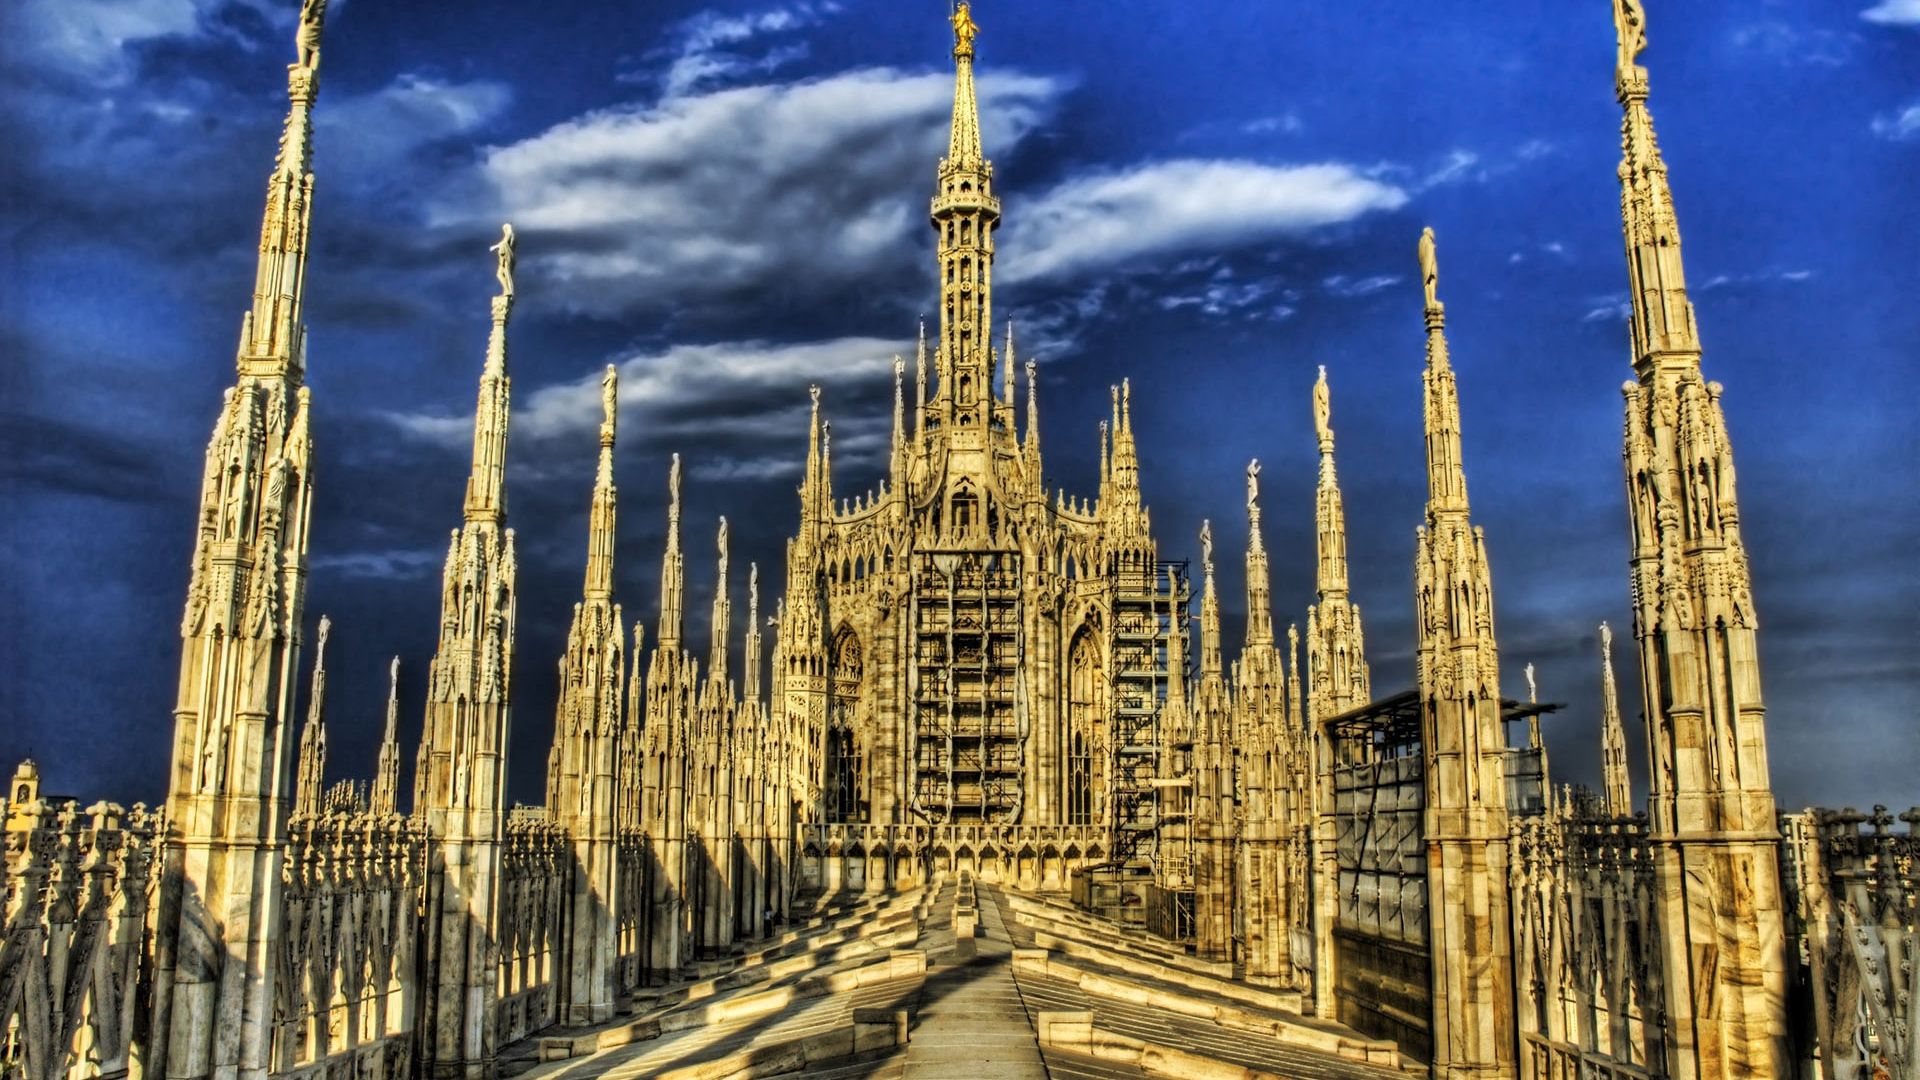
column 1630, row 24
column 609, row 395
column 1323, row 409
column 1429, row 268
column 673, row 485
column 504, row 249
column 723, row 547
column 964, row 30
column 1533, row 691
column 1206, row 546
column 306, row 40
column 1253, row 484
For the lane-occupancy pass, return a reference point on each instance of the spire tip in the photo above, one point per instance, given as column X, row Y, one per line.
column 964, row 30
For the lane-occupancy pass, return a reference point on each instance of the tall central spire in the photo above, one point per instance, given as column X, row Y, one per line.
column 963, row 148
column 964, row 215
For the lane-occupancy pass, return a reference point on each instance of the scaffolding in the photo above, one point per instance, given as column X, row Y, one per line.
column 1148, row 596
column 966, row 749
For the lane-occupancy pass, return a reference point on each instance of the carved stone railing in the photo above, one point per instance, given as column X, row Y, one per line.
column 860, row 856
column 346, row 986
column 1586, row 947
column 1853, row 885
column 535, row 877
column 77, row 890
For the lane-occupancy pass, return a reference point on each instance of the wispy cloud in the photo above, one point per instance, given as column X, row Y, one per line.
column 91, row 37
column 1166, row 208
column 391, row 565
column 1756, row 278
column 1459, row 165
column 96, row 39
column 794, row 192
column 1894, row 13
column 1616, row 307
column 1287, row 123
column 1785, row 43
column 1899, row 125
column 712, row 47
column 1608, row 309
column 1464, row 166
column 372, row 134
column 1221, row 299
column 1348, row 288
column 735, row 409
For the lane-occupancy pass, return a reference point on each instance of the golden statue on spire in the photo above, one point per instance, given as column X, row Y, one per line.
column 964, row 30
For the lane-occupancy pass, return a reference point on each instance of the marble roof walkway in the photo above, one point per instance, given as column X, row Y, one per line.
column 964, row 981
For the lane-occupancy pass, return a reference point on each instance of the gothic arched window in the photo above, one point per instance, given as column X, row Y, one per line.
column 846, row 758
column 1085, row 685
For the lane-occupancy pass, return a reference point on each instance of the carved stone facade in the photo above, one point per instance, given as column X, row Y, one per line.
column 981, row 698
column 961, row 645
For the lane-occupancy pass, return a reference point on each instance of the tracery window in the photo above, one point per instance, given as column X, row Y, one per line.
column 963, row 512
column 846, row 756
column 1085, row 679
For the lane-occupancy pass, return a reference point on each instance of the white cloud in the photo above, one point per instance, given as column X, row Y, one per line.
column 798, row 191
column 735, row 410
column 1106, row 219
column 1894, row 12
column 371, row 134
column 1900, row 125
column 91, row 38
column 711, row 45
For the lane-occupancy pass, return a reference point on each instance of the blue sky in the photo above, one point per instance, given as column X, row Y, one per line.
column 729, row 201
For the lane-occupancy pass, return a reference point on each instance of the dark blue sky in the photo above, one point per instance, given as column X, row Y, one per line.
column 729, row 200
